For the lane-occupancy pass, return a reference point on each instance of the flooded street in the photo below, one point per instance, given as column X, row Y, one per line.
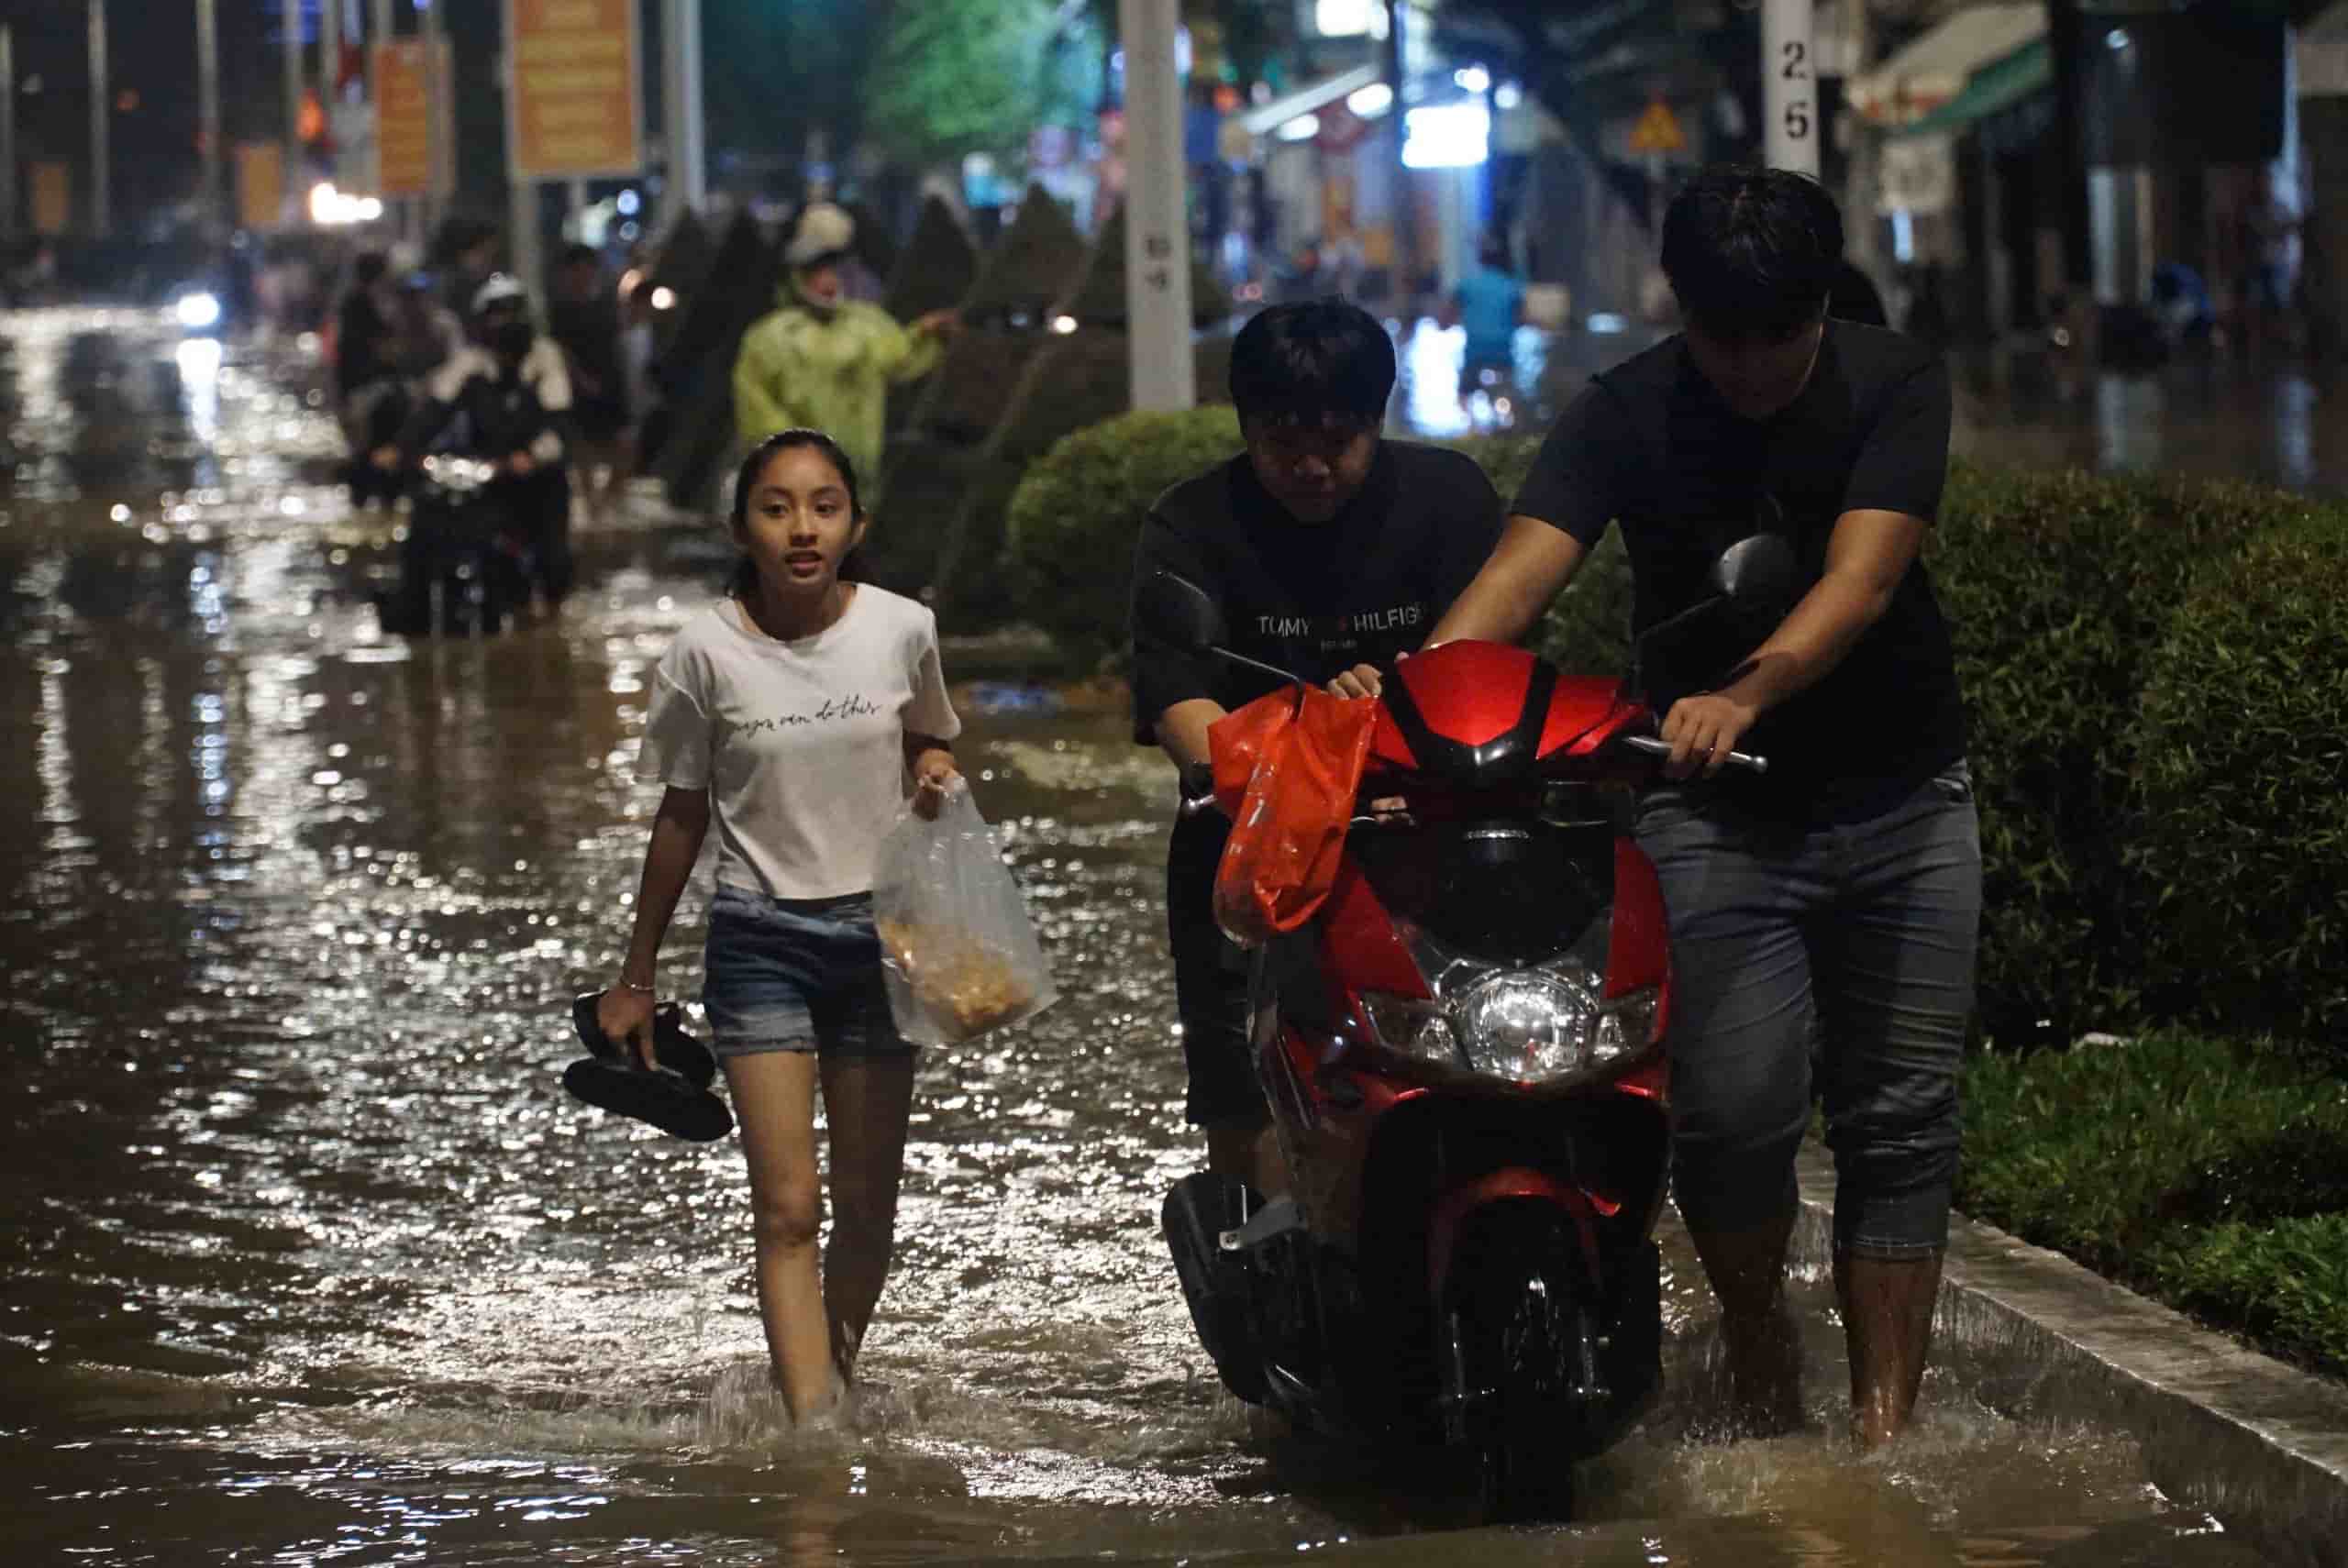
column 305, row 1257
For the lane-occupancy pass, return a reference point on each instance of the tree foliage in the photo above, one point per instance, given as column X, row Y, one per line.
column 954, row 77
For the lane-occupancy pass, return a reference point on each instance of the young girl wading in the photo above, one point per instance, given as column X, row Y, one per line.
column 797, row 713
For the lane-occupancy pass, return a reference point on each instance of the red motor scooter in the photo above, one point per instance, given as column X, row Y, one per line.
column 1463, row 1053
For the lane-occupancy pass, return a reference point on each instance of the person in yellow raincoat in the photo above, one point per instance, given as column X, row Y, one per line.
column 823, row 361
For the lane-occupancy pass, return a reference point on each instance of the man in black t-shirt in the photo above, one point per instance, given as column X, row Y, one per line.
column 1330, row 552
column 1843, row 890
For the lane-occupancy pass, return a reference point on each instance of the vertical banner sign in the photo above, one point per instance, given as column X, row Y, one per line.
column 261, row 184
column 574, row 105
column 403, row 120
column 1790, row 85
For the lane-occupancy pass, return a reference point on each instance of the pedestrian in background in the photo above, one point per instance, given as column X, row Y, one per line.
column 823, row 361
column 584, row 319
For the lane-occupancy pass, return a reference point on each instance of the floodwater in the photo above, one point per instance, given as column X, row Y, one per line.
column 305, row 1257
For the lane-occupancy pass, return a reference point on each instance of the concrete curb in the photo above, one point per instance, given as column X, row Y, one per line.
column 2260, row 1444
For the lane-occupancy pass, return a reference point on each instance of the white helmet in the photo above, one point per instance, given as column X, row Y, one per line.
column 823, row 230
column 497, row 289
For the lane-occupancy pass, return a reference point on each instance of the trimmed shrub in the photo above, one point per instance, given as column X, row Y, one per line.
column 937, row 267
column 2240, row 844
column 1035, row 262
column 1074, row 519
column 2058, row 587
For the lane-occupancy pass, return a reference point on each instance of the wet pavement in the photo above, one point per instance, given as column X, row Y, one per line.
column 307, row 1258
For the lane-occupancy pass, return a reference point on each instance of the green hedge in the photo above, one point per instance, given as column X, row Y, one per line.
column 2212, row 1176
column 1075, row 517
column 2239, row 845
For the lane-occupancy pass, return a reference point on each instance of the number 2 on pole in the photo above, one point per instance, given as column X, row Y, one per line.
column 1797, row 55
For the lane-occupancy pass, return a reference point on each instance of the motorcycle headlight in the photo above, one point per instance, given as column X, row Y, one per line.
column 1528, row 1026
column 197, row 311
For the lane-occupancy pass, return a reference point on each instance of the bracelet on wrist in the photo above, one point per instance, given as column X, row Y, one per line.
column 628, row 985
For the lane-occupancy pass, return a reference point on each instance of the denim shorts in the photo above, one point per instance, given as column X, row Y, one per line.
column 1834, row 957
column 796, row 975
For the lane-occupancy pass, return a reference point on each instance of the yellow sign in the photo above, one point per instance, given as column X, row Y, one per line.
column 52, row 197
column 261, row 184
column 1659, row 131
column 403, row 120
column 572, row 107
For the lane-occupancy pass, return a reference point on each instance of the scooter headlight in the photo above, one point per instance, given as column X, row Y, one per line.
column 1527, row 1025
column 197, row 311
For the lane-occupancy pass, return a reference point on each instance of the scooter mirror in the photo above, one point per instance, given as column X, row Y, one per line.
column 1760, row 576
column 1172, row 610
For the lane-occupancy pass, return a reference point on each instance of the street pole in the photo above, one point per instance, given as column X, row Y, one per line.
column 1157, row 229
column 439, row 111
column 680, row 100
column 1790, row 85
column 207, row 104
column 378, row 34
column 523, row 252
column 7, row 130
column 330, row 63
column 1861, row 226
column 101, row 106
column 1405, row 218
column 293, row 19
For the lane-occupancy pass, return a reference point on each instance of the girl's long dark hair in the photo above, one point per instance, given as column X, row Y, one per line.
column 744, row 584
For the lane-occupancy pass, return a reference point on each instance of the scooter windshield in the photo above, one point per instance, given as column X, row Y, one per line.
column 1507, row 891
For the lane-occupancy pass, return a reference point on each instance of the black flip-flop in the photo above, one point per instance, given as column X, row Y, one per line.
column 661, row 1097
column 671, row 1046
column 673, row 1097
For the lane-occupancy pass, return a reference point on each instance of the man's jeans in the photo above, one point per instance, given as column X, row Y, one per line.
column 1858, row 938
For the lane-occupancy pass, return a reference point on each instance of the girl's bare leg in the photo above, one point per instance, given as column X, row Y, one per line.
column 868, row 1101
column 774, row 1099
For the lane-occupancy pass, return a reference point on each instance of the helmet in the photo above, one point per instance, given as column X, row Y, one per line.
column 822, row 230
column 497, row 289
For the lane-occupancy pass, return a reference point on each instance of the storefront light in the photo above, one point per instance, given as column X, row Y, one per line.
column 1447, row 136
column 1305, row 127
column 1472, row 79
column 1509, row 95
column 1344, row 19
column 1368, row 102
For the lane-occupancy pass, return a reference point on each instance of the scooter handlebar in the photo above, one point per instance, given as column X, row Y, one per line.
column 1655, row 747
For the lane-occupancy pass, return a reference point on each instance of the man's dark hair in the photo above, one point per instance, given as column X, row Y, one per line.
column 369, row 268
column 1323, row 362
column 577, row 254
column 1751, row 253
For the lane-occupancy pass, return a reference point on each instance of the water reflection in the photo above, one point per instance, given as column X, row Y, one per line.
column 308, row 1259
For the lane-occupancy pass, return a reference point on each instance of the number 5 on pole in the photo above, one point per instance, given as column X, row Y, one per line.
column 1790, row 85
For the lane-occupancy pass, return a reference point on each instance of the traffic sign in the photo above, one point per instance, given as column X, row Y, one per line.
column 1659, row 131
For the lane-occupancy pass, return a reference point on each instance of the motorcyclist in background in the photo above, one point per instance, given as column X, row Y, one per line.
column 506, row 396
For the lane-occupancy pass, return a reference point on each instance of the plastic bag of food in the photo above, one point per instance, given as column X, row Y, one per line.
column 961, row 955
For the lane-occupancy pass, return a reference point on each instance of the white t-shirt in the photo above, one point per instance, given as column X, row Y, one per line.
column 800, row 745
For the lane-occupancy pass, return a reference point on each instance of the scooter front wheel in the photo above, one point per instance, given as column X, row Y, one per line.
column 1513, row 1334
